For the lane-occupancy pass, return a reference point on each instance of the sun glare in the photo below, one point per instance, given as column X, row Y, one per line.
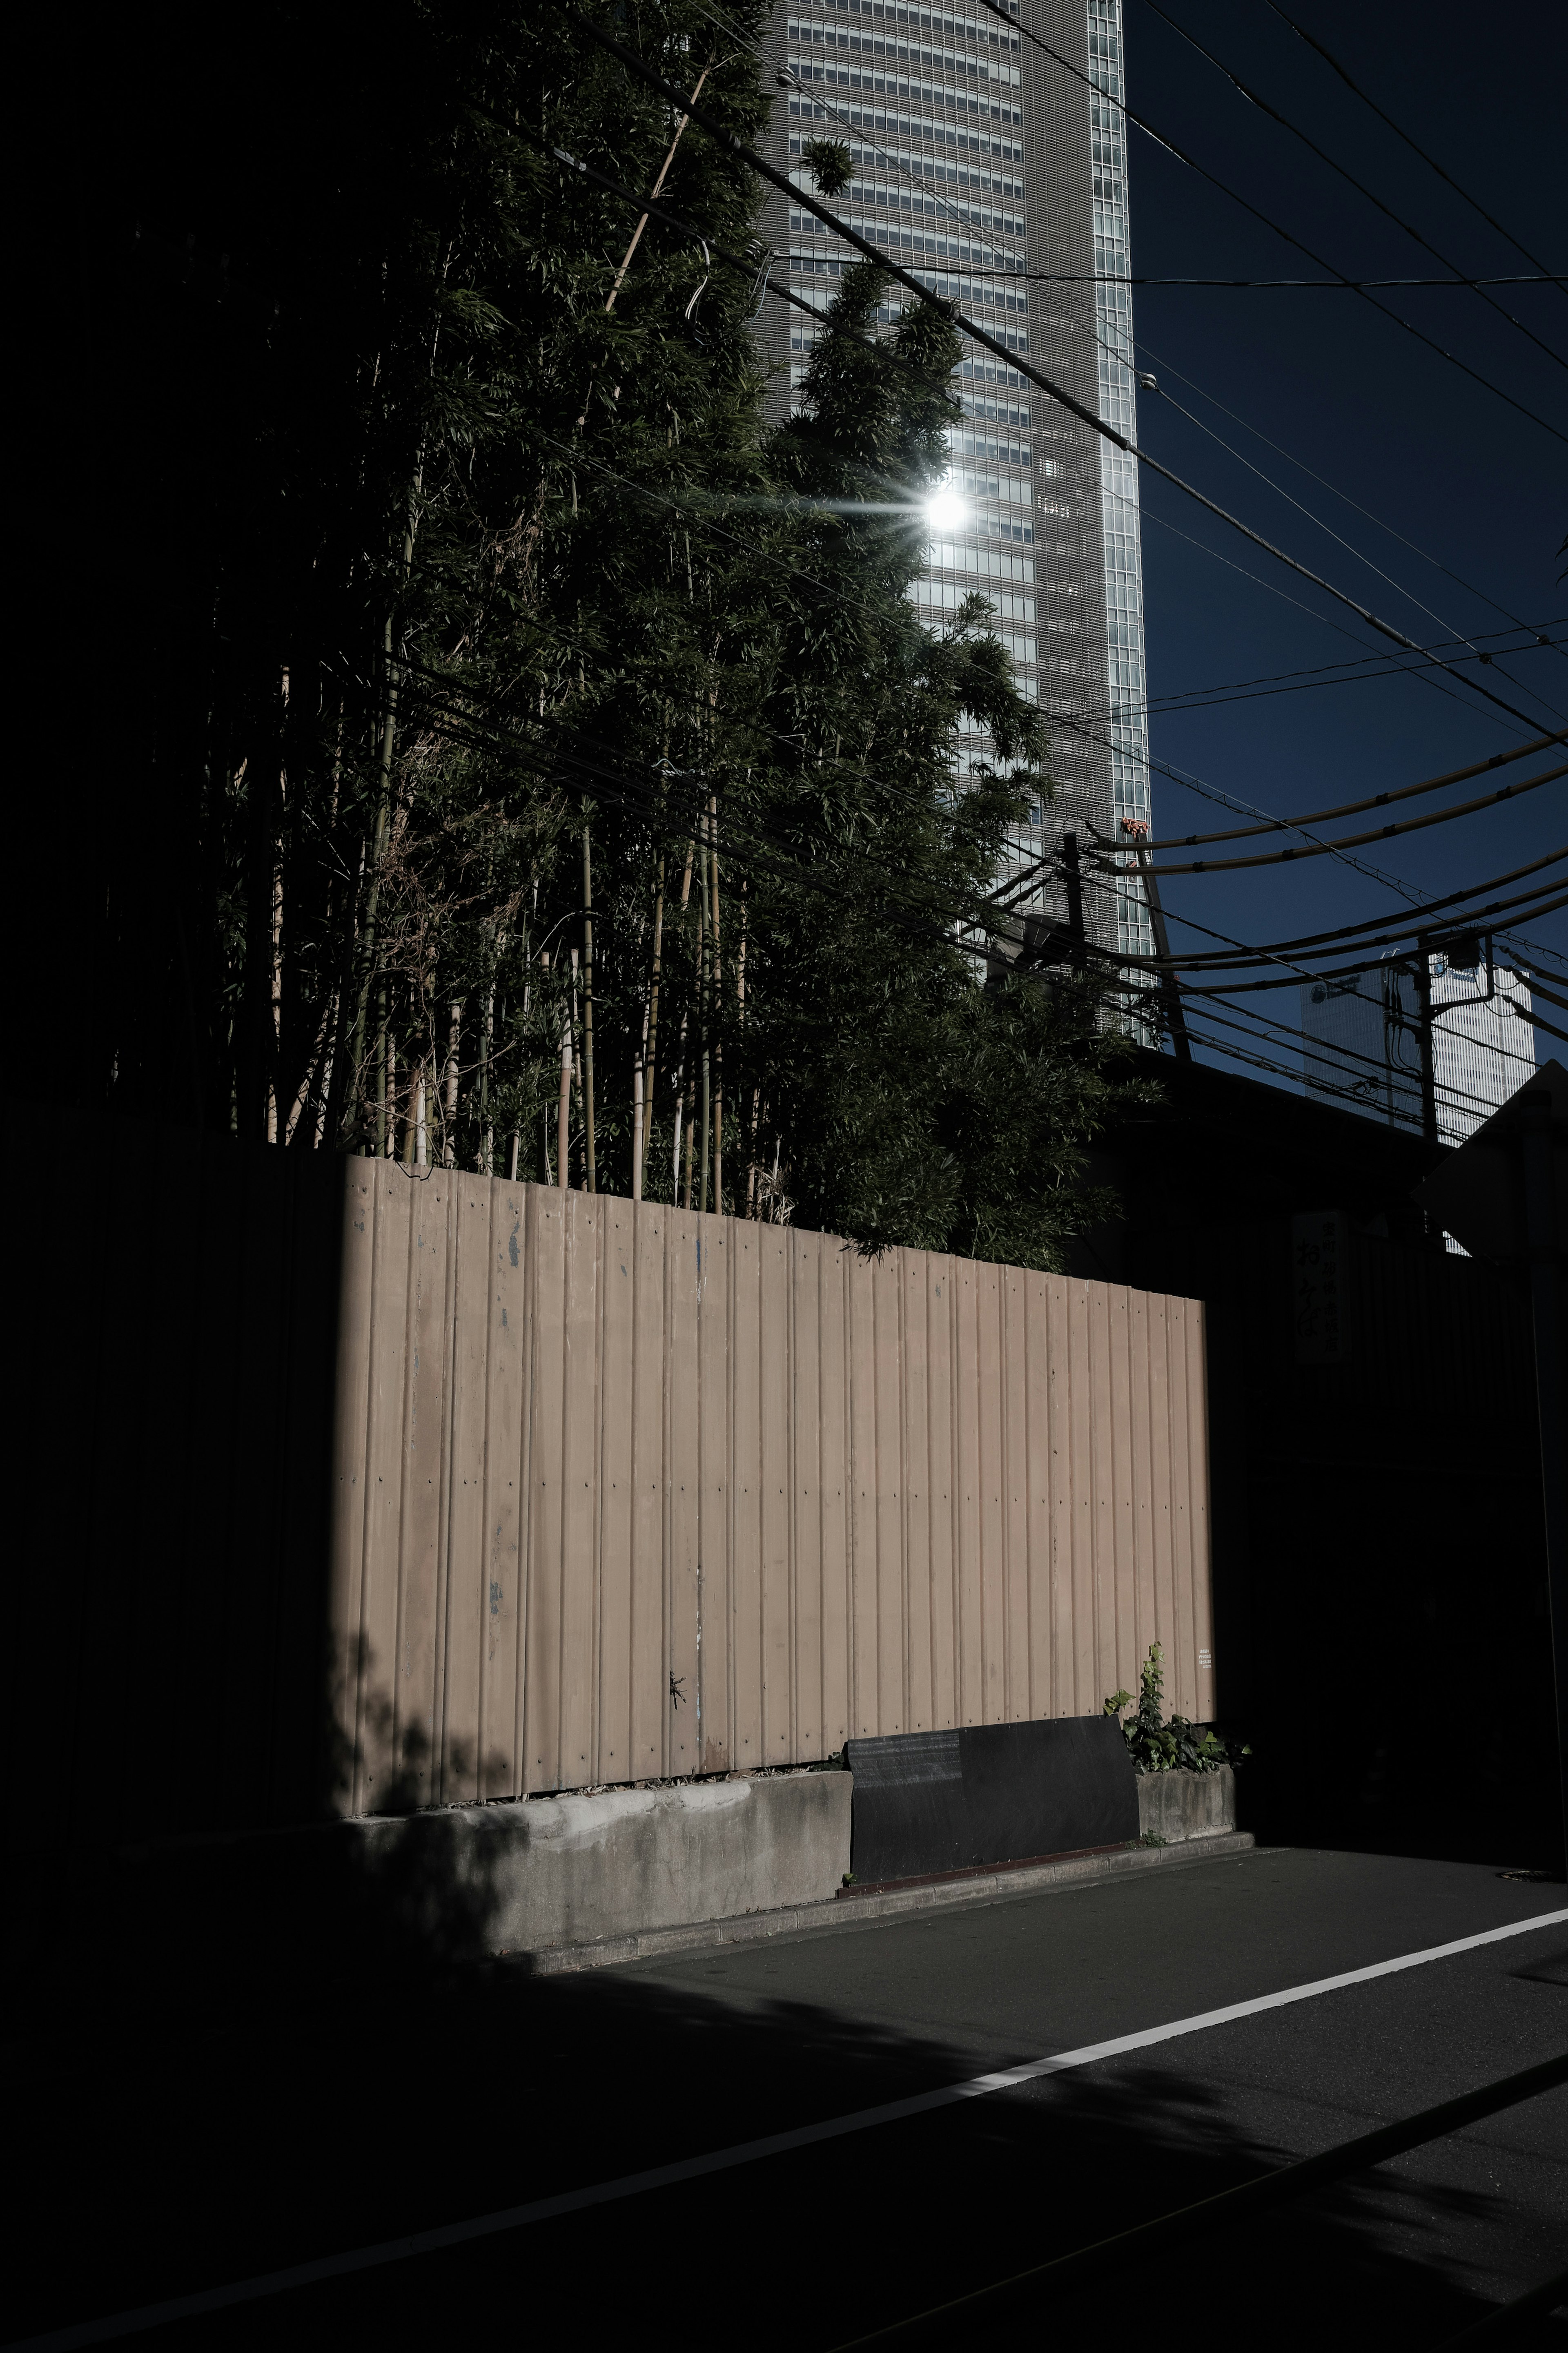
column 945, row 510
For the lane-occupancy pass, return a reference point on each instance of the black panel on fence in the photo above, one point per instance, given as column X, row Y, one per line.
column 931, row 1801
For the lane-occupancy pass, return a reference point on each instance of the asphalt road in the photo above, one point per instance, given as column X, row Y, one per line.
column 163, row 2156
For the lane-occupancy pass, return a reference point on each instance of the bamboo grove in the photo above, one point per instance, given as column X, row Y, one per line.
column 533, row 761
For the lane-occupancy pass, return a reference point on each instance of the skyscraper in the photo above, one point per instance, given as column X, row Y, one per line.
column 1362, row 1041
column 998, row 177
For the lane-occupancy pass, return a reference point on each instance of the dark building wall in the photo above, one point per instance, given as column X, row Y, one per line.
column 170, row 1621
column 1379, row 1563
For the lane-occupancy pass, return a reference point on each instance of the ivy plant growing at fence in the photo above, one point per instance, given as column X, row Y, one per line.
column 1178, row 1747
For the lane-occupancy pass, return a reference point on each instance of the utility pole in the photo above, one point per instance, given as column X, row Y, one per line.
column 1422, row 969
column 1138, row 829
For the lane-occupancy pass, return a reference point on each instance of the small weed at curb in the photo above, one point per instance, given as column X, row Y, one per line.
column 1179, row 1747
column 849, row 1878
column 1153, row 1838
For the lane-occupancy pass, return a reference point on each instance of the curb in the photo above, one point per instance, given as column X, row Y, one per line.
column 804, row 1919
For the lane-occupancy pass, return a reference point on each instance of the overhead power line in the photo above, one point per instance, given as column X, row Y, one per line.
column 749, row 268
column 1347, row 931
column 1263, row 285
column 1356, row 841
column 1551, row 999
column 1475, row 918
column 1430, row 160
column 902, row 168
column 1339, row 541
column 1322, row 1049
column 1117, row 353
column 726, row 138
column 1333, row 487
column 1459, row 1100
column 1420, row 669
column 1342, row 971
column 1369, row 670
column 1255, row 97
column 1192, row 162
column 1198, row 1000
column 746, row 268
column 691, row 508
column 1538, row 1022
column 1374, row 800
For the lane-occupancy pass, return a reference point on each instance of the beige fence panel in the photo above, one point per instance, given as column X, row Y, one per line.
column 622, row 1491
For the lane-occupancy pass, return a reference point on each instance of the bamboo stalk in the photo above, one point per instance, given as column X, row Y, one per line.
column 675, row 1152
column 486, row 1040
column 453, row 1034
column 311, row 1068
column 654, row 191
column 716, row 992
column 637, row 1127
column 704, row 993
column 276, row 1040
column 588, row 1009
column 380, row 1089
column 682, row 1090
column 751, row 1153
column 564, row 1115
column 679, row 1113
column 650, row 1056
column 329, row 1073
column 383, row 826
column 576, row 1049
column 481, row 1159
column 751, row 1125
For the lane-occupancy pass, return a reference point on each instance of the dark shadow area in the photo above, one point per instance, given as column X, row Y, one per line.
column 173, row 1840
column 1380, row 1626
column 272, row 2133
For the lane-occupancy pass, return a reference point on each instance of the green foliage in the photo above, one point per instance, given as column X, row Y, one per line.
column 830, row 163
column 506, row 553
column 1178, row 1747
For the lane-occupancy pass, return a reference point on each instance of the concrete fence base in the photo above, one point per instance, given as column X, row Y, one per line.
column 593, row 1876
column 572, row 1870
column 364, row 1899
column 1175, row 1807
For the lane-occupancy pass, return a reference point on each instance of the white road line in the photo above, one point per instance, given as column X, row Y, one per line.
column 746, row 2152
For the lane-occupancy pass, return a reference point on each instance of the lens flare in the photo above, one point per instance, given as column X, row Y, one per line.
column 945, row 510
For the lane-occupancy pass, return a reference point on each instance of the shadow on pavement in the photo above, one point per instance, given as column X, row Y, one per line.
column 266, row 2132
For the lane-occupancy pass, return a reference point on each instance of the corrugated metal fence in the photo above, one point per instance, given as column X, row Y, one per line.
column 621, row 1492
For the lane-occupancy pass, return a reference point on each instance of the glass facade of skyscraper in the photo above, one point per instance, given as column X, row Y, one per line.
column 1362, row 1043
column 998, row 177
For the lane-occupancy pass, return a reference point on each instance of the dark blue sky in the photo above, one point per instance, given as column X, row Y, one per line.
column 1354, row 397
